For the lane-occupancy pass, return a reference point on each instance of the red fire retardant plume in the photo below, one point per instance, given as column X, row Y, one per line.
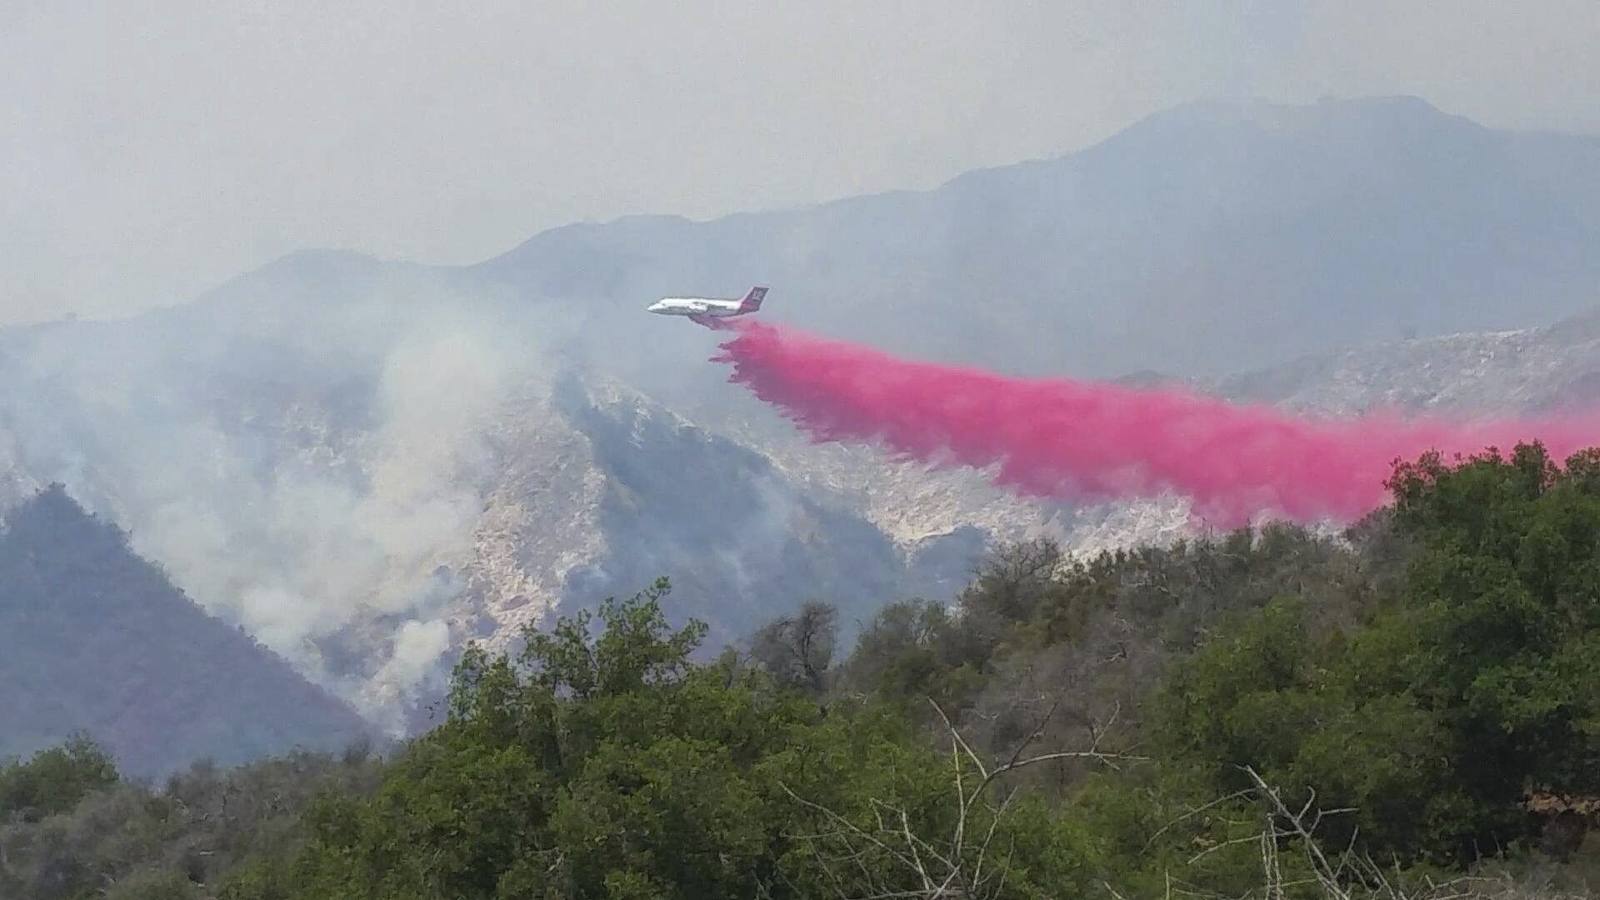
column 1071, row 439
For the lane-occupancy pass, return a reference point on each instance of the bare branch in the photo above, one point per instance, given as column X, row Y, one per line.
column 1195, row 812
column 1326, row 873
column 956, row 735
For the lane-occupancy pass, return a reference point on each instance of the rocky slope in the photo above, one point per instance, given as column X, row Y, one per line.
column 366, row 513
column 365, row 464
column 1545, row 369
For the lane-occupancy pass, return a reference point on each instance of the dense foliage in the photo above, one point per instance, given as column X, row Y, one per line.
column 69, row 829
column 1473, row 685
column 1269, row 712
column 609, row 765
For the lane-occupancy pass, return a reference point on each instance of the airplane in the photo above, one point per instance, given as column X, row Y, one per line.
column 707, row 310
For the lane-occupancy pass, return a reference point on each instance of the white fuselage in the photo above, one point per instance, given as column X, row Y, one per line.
column 695, row 306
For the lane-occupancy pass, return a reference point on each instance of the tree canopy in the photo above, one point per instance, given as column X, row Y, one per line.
column 1269, row 712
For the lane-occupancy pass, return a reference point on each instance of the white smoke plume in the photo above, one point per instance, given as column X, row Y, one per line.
column 311, row 474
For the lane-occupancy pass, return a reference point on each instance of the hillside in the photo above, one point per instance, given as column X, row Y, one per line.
column 1403, row 710
column 1546, row 369
column 93, row 638
column 1204, row 240
column 365, row 464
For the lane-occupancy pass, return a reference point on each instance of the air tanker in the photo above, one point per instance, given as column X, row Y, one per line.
column 707, row 310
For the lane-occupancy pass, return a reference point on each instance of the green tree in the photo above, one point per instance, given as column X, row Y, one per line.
column 602, row 762
column 1476, row 681
column 54, row 780
column 797, row 650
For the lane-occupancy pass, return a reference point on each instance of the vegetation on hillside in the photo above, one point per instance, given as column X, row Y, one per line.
column 1410, row 709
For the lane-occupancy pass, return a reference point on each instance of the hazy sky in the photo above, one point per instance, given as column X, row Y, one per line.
column 150, row 150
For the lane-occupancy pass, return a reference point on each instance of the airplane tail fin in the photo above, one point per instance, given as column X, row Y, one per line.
column 752, row 300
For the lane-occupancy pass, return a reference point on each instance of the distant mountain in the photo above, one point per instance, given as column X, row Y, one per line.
column 365, row 464
column 1549, row 369
column 93, row 638
column 365, row 504
column 1203, row 240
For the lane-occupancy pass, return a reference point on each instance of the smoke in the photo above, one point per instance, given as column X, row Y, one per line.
column 1071, row 439
column 310, row 469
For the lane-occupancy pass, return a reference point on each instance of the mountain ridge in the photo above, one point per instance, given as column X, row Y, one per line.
column 367, row 463
column 93, row 638
column 1286, row 216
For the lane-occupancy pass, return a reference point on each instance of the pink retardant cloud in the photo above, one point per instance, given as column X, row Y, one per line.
column 1086, row 440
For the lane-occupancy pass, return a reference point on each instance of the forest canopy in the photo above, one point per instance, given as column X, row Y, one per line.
column 1396, row 710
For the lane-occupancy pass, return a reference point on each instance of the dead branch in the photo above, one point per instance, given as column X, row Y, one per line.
column 956, row 865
